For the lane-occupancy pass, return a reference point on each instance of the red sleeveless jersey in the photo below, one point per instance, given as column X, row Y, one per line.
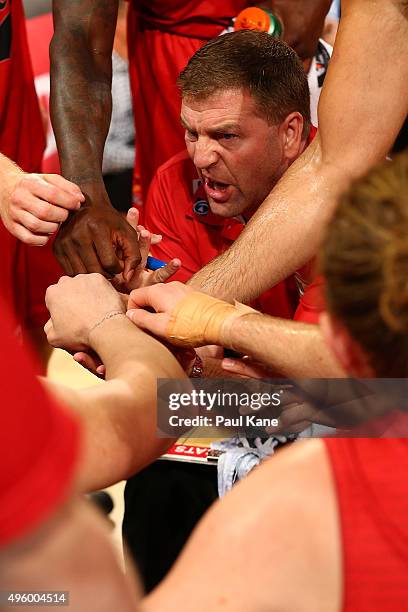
column 370, row 478
column 39, row 443
column 193, row 18
column 21, row 132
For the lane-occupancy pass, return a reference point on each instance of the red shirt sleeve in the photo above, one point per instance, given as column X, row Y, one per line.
column 164, row 216
column 312, row 303
column 39, row 443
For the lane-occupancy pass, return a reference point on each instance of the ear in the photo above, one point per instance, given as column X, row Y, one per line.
column 291, row 132
column 348, row 352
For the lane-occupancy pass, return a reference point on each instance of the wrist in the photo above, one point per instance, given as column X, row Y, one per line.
column 197, row 320
column 98, row 330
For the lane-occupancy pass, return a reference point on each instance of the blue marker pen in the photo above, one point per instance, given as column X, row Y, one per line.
column 154, row 264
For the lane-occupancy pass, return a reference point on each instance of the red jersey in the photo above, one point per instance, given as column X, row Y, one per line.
column 370, row 479
column 25, row 272
column 39, row 443
column 20, row 119
column 162, row 36
column 177, row 208
column 203, row 19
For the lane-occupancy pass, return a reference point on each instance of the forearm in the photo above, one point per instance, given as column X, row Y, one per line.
column 119, row 416
column 282, row 236
column 361, row 109
column 289, row 348
column 81, row 73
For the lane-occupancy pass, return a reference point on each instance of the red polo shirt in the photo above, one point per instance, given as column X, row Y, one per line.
column 312, row 302
column 177, row 208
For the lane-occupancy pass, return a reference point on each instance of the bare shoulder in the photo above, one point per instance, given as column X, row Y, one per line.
column 272, row 544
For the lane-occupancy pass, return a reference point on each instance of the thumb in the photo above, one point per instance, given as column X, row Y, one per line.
column 161, row 275
column 152, row 322
column 132, row 217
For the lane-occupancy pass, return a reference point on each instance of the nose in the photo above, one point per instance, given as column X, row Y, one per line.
column 205, row 154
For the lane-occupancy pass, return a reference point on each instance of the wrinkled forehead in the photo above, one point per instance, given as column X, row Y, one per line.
column 231, row 105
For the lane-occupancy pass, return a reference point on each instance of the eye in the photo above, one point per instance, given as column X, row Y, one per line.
column 192, row 136
column 227, row 136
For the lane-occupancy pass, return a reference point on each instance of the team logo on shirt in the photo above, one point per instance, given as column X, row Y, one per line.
column 5, row 30
column 201, row 207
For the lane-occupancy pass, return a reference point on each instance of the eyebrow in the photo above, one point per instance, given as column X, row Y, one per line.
column 219, row 129
column 225, row 127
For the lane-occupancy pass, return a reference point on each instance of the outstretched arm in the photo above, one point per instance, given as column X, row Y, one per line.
column 362, row 107
column 95, row 238
column 119, row 416
column 191, row 319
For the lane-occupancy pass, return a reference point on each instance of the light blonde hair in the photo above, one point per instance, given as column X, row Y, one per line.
column 365, row 263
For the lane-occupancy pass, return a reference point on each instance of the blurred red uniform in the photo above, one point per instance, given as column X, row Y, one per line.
column 162, row 36
column 25, row 271
column 39, row 443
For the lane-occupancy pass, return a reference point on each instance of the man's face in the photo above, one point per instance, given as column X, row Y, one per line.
column 238, row 155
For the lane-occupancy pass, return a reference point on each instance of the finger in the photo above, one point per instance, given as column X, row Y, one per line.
column 23, row 234
column 132, row 217
column 35, row 225
column 129, row 245
column 161, row 275
column 154, row 323
column 144, row 246
column 110, row 262
column 24, row 200
column 293, row 414
column 63, row 183
column 140, row 298
column 52, row 193
column 241, row 367
column 155, row 238
column 89, row 362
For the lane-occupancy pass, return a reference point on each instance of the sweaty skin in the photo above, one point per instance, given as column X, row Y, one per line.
column 362, row 107
column 96, row 238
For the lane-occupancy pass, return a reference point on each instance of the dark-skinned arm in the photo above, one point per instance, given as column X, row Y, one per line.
column 95, row 238
column 302, row 22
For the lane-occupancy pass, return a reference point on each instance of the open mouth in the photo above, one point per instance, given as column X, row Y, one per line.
column 217, row 191
column 216, row 185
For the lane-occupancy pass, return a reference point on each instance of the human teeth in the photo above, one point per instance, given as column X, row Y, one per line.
column 215, row 185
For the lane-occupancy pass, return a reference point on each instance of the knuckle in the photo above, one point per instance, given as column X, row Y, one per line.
column 52, row 193
column 33, row 224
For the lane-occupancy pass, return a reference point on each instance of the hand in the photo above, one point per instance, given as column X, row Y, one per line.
column 296, row 411
column 97, row 239
column 76, row 306
column 163, row 299
column 141, row 276
column 91, row 362
column 36, row 204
